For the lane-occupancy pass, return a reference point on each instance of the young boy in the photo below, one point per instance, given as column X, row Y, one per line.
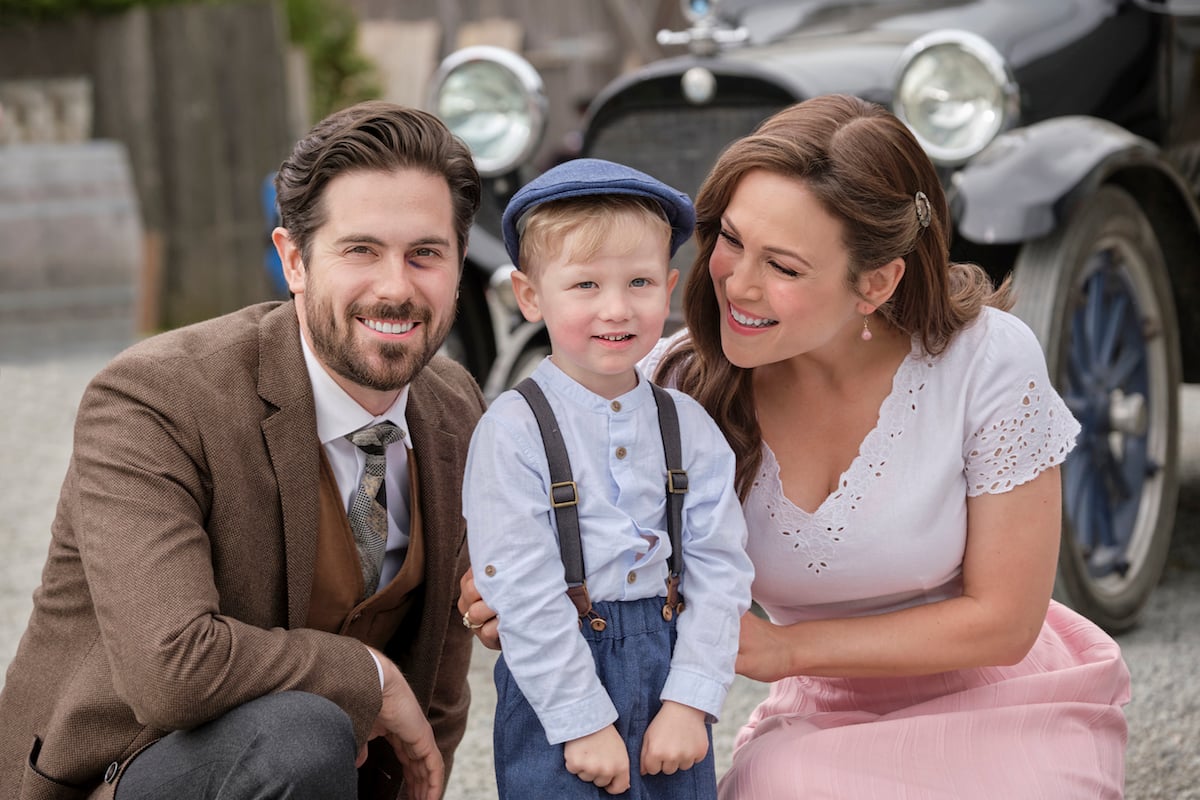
column 616, row 682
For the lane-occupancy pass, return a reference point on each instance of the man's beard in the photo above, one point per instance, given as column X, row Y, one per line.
column 399, row 362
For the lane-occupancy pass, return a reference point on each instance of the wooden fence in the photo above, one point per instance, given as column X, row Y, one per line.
column 197, row 94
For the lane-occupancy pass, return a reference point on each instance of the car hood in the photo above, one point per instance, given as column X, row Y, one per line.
column 824, row 46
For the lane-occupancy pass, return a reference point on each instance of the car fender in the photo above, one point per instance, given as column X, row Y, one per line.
column 1024, row 183
column 1029, row 181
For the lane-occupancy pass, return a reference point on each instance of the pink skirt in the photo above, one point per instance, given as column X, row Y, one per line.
column 1049, row 727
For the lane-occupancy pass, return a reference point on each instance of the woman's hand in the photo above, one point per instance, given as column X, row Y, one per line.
column 762, row 650
column 482, row 620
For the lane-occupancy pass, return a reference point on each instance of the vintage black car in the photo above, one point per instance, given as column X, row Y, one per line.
column 1067, row 133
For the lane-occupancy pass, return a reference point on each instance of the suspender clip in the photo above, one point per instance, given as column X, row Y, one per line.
column 674, row 605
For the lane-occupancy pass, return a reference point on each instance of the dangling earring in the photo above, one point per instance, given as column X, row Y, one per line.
column 866, row 331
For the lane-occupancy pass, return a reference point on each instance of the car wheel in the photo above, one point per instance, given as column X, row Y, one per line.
column 1096, row 294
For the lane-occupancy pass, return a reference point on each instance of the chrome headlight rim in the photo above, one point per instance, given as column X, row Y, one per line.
column 534, row 102
column 997, row 68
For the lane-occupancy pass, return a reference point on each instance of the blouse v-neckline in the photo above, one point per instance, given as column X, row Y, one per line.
column 875, row 449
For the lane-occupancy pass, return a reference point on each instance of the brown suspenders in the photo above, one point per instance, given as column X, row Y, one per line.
column 564, row 499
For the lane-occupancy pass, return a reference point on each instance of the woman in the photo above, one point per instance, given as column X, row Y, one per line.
column 898, row 445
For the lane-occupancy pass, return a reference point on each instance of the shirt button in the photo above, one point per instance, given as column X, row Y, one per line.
column 621, row 452
column 489, row 570
column 631, row 577
column 616, row 405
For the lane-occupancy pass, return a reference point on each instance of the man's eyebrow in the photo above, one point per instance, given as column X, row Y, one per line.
column 366, row 238
column 443, row 241
column 358, row 238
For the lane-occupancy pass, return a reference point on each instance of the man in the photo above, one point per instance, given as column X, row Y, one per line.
column 248, row 576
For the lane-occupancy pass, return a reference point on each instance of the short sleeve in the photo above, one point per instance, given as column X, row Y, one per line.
column 1017, row 425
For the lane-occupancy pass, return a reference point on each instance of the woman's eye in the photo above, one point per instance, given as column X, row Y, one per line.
column 782, row 270
column 730, row 238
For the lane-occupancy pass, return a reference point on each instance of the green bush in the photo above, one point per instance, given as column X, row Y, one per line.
column 328, row 32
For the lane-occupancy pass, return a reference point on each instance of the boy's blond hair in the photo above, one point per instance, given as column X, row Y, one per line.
column 588, row 223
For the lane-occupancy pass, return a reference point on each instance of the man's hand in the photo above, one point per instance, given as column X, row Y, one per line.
column 675, row 740
column 599, row 758
column 403, row 724
column 483, row 621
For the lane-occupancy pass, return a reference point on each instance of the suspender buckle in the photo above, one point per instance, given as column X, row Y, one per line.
column 564, row 493
column 677, row 481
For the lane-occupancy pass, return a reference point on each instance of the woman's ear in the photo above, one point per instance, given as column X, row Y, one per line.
column 526, row 294
column 877, row 286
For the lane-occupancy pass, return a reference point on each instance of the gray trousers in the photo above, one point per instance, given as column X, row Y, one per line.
column 286, row 746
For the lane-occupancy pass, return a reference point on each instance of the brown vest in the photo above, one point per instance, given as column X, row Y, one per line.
column 335, row 606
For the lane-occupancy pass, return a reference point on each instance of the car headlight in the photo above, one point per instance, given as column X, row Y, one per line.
column 495, row 101
column 955, row 92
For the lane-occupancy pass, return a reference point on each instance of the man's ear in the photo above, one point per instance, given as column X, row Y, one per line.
column 526, row 294
column 877, row 286
column 289, row 256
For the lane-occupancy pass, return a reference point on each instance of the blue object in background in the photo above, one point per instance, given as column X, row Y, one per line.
column 271, row 262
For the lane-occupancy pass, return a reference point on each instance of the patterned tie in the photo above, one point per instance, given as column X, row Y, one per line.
column 368, row 509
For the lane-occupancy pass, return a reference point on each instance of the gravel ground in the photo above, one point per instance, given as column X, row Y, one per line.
column 44, row 369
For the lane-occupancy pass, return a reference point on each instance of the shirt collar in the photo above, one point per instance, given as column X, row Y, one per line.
column 549, row 375
column 338, row 413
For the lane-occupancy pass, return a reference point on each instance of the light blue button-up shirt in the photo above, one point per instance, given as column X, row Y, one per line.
column 617, row 461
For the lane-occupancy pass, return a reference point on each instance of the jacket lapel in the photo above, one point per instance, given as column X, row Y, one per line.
column 290, row 432
column 434, row 450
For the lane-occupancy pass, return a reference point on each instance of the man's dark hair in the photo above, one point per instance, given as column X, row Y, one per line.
column 367, row 137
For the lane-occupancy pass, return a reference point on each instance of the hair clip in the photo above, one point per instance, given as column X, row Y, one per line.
column 924, row 213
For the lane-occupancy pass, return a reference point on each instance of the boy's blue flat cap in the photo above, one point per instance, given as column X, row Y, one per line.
column 591, row 176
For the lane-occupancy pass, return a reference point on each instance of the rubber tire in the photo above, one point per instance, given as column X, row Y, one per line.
column 1048, row 278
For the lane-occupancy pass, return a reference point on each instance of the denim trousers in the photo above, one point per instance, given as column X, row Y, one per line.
column 633, row 656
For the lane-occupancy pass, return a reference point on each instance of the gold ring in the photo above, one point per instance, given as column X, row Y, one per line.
column 470, row 625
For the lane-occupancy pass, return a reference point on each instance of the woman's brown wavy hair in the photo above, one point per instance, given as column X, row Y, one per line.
column 865, row 168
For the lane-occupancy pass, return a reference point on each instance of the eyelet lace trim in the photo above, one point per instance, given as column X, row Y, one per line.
column 1016, row 449
column 815, row 537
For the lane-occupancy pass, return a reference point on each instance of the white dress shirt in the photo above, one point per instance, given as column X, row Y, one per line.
column 616, row 455
column 339, row 414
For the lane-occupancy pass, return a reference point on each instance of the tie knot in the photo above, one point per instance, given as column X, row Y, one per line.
column 374, row 439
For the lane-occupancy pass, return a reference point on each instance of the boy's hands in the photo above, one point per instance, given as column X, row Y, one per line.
column 675, row 740
column 599, row 758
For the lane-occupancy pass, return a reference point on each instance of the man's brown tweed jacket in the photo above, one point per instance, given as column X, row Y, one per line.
column 182, row 555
